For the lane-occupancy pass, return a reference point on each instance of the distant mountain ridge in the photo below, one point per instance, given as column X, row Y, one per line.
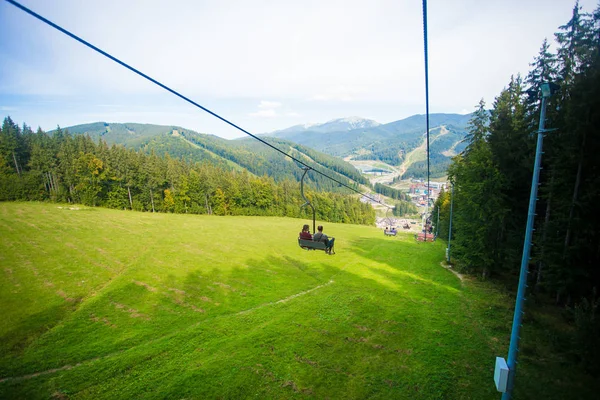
column 334, row 125
column 389, row 142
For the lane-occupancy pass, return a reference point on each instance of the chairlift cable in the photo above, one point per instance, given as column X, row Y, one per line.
column 138, row 72
column 426, row 97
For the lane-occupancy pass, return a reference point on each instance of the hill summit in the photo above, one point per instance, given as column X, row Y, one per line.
column 399, row 144
column 334, row 125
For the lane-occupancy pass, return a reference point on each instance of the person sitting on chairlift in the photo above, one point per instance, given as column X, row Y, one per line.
column 305, row 234
column 321, row 237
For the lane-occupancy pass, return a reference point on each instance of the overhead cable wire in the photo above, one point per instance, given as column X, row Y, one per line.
column 138, row 72
column 426, row 97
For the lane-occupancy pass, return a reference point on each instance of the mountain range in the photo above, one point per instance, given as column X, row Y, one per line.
column 328, row 146
column 334, row 125
column 390, row 143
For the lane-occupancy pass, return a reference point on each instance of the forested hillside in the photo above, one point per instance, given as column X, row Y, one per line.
column 390, row 143
column 74, row 168
column 492, row 180
column 246, row 153
column 406, row 133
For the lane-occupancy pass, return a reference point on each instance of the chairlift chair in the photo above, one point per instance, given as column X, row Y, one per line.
column 389, row 232
column 304, row 243
column 425, row 237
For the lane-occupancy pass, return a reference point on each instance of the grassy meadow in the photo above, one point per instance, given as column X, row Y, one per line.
column 105, row 304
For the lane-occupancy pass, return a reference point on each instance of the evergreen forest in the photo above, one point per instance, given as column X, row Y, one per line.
column 492, row 178
column 73, row 168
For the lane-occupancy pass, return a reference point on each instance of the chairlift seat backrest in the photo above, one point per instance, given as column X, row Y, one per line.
column 311, row 244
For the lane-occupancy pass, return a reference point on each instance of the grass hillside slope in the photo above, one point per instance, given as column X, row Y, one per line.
column 105, row 304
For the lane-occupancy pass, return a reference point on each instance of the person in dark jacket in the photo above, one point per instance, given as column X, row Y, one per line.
column 321, row 237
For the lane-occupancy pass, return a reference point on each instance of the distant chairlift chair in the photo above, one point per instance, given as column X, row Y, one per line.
column 425, row 237
column 392, row 231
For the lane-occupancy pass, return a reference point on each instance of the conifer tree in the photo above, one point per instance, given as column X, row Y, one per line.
column 575, row 40
column 511, row 145
column 478, row 206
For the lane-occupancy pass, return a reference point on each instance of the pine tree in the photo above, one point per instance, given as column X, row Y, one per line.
column 544, row 69
column 477, row 129
column 11, row 146
column 42, row 162
column 512, row 148
column 575, row 40
column 478, row 205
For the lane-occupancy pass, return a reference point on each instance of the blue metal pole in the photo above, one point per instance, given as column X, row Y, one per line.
column 450, row 226
column 437, row 224
column 516, row 327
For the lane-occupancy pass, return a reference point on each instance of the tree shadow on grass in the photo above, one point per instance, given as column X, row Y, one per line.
column 133, row 313
column 256, row 282
column 261, row 283
column 436, row 297
column 14, row 342
column 407, row 258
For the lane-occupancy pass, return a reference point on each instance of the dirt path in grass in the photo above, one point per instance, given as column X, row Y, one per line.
column 53, row 370
column 458, row 274
column 286, row 299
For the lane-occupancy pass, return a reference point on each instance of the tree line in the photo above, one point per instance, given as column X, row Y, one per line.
column 390, row 153
column 261, row 160
column 73, row 168
column 493, row 175
column 391, row 192
column 403, row 208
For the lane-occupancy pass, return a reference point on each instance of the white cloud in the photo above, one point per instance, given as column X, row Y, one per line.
column 339, row 93
column 358, row 57
column 274, row 111
column 266, row 109
column 330, row 97
column 264, row 113
column 269, row 104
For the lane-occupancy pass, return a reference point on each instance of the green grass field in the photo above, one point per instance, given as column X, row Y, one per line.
column 104, row 304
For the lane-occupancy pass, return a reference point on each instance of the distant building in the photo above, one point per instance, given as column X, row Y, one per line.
column 418, row 192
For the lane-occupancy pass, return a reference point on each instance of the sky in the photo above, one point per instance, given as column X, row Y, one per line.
column 264, row 64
